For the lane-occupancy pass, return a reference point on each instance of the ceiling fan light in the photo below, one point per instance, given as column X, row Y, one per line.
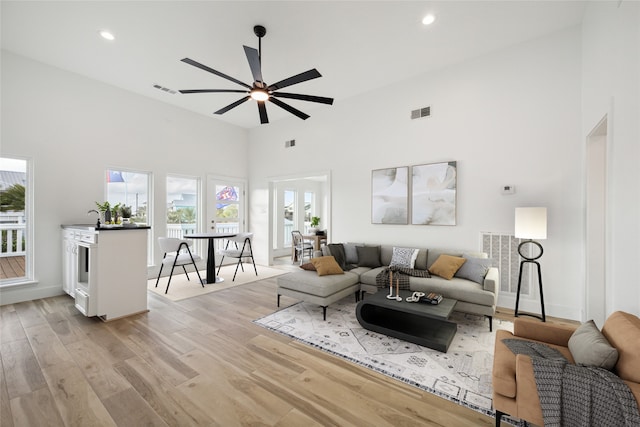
column 428, row 19
column 259, row 95
column 107, row 35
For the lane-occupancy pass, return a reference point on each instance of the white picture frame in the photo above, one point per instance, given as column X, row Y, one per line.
column 390, row 196
column 433, row 193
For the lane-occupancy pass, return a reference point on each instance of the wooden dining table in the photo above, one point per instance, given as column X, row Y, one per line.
column 314, row 238
column 211, row 253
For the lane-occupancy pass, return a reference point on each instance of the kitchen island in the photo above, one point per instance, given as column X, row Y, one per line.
column 105, row 269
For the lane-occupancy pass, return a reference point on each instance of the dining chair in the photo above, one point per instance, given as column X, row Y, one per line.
column 246, row 251
column 323, row 241
column 177, row 252
column 301, row 246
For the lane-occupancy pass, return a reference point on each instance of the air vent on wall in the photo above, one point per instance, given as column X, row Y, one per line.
column 421, row 112
column 164, row 89
column 291, row 143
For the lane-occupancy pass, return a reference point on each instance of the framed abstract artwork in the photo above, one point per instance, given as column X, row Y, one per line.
column 390, row 196
column 433, row 195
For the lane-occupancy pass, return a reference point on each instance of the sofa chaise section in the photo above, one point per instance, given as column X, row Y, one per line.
column 322, row 290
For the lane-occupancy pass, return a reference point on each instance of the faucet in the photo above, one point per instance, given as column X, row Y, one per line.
column 98, row 222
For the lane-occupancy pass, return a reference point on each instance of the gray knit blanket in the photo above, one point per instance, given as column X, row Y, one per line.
column 400, row 274
column 575, row 395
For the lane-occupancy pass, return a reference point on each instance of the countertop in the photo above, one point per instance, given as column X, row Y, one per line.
column 92, row 227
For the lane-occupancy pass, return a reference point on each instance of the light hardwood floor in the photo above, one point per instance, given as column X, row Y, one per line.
column 199, row 361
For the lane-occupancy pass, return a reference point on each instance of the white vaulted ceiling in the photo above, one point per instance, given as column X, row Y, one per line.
column 358, row 46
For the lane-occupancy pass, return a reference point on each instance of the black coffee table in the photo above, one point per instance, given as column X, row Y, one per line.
column 416, row 322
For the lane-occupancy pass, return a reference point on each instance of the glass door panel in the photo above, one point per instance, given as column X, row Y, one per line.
column 289, row 216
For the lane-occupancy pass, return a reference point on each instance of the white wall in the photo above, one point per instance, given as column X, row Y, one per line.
column 611, row 86
column 519, row 116
column 511, row 117
column 73, row 128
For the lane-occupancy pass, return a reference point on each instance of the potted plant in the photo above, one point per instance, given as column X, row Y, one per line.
column 315, row 223
column 105, row 212
column 125, row 211
column 115, row 210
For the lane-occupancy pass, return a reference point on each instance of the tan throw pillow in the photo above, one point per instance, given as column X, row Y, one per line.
column 308, row 266
column 446, row 266
column 326, row 265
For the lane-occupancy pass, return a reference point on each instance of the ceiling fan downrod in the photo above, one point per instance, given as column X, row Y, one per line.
column 259, row 31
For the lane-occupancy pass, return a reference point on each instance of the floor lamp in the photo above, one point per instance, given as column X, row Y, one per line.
column 531, row 223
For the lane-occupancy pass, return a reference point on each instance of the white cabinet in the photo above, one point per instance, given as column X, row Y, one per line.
column 69, row 257
column 106, row 270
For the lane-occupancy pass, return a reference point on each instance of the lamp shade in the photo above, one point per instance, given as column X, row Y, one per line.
column 531, row 223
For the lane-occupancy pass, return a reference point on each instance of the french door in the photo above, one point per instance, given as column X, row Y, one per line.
column 225, row 207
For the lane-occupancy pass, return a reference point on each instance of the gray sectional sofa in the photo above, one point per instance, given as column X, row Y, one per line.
column 473, row 297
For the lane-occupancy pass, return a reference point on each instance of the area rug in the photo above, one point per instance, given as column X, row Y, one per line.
column 181, row 288
column 462, row 375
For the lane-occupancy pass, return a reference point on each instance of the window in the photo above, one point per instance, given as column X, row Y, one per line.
column 228, row 216
column 309, row 209
column 183, row 201
column 132, row 190
column 289, row 215
column 16, row 229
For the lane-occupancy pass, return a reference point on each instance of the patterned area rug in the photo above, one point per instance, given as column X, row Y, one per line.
column 462, row 375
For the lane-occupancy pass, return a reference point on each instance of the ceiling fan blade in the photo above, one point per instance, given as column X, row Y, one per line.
column 212, row 91
column 263, row 112
column 309, row 98
column 211, row 70
column 289, row 108
column 298, row 78
column 254, row 63
column 233, row 105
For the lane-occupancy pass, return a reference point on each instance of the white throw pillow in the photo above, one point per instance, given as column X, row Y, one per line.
column 404, row 257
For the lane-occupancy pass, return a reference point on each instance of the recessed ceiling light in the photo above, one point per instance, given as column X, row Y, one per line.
column 106, row 35
column 428, row 19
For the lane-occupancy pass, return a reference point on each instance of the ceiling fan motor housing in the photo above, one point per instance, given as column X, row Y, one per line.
column 259, row 31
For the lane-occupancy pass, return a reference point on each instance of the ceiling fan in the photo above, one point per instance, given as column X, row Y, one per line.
column 260, row 91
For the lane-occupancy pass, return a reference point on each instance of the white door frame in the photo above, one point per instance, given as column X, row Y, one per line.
column 327, row 209
column 597, row 241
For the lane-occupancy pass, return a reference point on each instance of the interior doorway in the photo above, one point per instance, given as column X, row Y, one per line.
column 294, row 200
column 596, row 224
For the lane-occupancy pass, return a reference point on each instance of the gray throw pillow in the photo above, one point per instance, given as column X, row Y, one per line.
column 337, row 251
column 474, row 269
column 351, row 253
column 368, row 256
column 589, row 347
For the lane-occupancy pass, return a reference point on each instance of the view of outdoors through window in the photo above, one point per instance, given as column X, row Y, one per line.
column 290, row 214
column 308, row 205
column 13, row 219
column 128, row 194
column 182, row 206
column 227, row 208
